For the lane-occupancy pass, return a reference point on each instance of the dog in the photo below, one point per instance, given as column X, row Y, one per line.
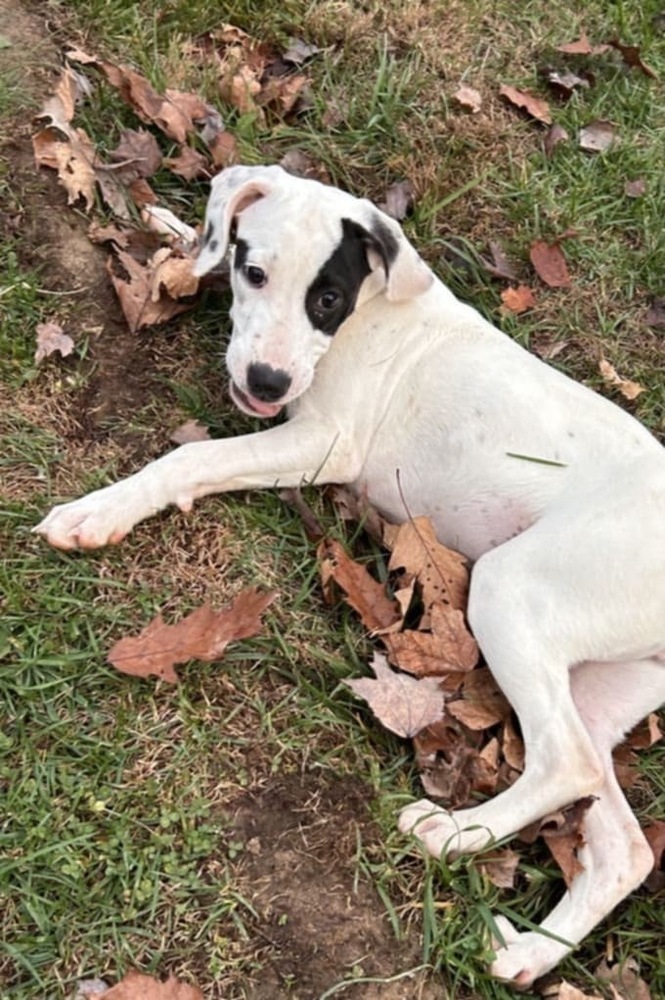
column 556, row 496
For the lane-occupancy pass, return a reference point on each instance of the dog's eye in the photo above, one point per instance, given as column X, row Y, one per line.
column 328, row 300
column 256, row 276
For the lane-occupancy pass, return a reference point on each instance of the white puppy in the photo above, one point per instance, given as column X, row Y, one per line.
column 558, row 496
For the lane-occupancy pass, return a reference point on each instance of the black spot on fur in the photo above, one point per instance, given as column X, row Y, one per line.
column 384, row 242
column 208, row 234
column 331, row 297
column 241, row 254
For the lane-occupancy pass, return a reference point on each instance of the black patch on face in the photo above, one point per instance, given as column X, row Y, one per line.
column 331, row 297
column 241, row 254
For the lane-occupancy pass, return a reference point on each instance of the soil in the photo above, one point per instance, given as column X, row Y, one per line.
column 317, row 924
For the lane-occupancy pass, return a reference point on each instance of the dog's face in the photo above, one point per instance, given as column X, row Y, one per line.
column 305, row 256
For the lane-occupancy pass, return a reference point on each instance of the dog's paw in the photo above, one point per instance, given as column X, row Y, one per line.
column 442, row 831
column 100, row 518
column 524, row 957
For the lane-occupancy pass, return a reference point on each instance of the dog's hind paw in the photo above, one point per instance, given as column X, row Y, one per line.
column 441, row 831
column 524, row 957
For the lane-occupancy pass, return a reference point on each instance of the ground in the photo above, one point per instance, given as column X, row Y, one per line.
column 238, row 829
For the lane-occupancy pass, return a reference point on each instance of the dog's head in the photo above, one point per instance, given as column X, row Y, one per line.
column 305, row 256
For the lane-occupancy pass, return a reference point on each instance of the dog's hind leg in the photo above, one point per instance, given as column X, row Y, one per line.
column 615, row 856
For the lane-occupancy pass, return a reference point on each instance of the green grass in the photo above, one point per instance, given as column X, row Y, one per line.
column 117, row 845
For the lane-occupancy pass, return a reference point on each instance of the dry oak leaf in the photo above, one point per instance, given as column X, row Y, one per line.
column 136, row 986
column 624, row 980
column 533, row 105
column 482, row 704
column 549, row 264
column 468, row 98
column 500, row 868
column 448, row 647
column 136, row 155
column 51, row 338
column 135, row 294
column 517, row 300
column 556, row 134
column 627, row 388
column 401, row 703
column 189, row 163
column 441, row 572
column 202, row 635
column 631, row 56
column 498, row 264
column 73, row 157
column 173, row 274
column 598, row 136
column 582, row 47
column 366, row 596
column 568, row 992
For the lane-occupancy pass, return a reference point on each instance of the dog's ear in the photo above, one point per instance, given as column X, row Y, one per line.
column 231, row 192
column 407, row 274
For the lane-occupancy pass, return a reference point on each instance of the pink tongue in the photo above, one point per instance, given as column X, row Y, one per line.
column 258, row 407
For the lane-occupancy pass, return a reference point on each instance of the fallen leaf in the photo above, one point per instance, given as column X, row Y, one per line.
column 636, row 188
column 582, row 47
column 655, row 834
column 353, row 507
column 136, row 155
column 72, row 156
column 448, row 647
column 564, row 834
column 501, row 868
column 171, row 273
column 517, row 300
column 482, row 703
column 135, row 986
column 366, row 595
column 299, row 51
column 202, row 635
column 627, row 388
column 565, row 82
column 190, row 431
column 441, row 572
column 399, row 200
column 549, row 264
column 189, row 163
column 598, row 136
column 468, row 98
column 498, row 265
column 296, row 162
column 568, row 992
column 224, row 150
column 556, row 134
column 624, row 979
column 512, row 745
column 51, row 338
column 631, row 56
column 533, row 105
column 110, row 233
column 401, row 703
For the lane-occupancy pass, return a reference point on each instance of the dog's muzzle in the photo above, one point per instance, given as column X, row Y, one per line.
column 266, row 388
column 253, row 407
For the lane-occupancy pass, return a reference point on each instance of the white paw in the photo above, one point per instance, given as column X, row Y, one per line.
column 439, row 830
column 100, row 518
column 526, row 956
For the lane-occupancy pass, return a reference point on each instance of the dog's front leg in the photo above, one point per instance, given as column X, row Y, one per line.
column 287, row 455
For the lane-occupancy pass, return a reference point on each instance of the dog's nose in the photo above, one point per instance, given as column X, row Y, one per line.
column 266, row 383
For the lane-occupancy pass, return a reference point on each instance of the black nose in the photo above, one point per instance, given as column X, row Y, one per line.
column 266, row 383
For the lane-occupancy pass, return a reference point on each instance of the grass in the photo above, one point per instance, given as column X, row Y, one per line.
column 117, row 841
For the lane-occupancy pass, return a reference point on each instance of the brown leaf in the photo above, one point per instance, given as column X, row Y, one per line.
column 568, row 992
column 627, row 388
column 401, row 703
column 351, row 507
column 51, row 338
column 498, row 266
column 441, row 573
column 482, row 703
column 142, row 194
column 468, row 98
column 300, row 51
column 512, row 746
column 190, row 431
column 645, row 734
column 135, row 986
column 624, row 979
column 564, row 83
column 448, row 647
column 631, row 56
column 189, row 163
column 135, row 294
column 549, row 264
column 72, row 157
column 582, row 47
column 202, row 635
column 108, row 234
column 501, row 868
column 636, row 188
column 564, row 851
column 556, row 134
column 598, row 136
column 655, row 834
column 399, row 200
column 564, row 834
column 173, row 274
column 517, row 300
column 366, row 596
column 533, row 105
column 136, row 155
column 224, row 150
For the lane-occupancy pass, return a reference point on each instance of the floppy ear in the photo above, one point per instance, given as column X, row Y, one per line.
column 231, row 191
column 407, row 274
